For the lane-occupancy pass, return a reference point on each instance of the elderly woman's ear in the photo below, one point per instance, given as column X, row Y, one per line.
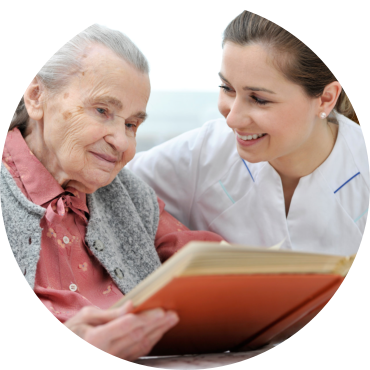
column 34, row 99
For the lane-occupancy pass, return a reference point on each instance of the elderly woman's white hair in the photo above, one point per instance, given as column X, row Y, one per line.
column 55, row 74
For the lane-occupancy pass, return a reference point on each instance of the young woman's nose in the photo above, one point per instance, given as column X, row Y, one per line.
column 237, row 115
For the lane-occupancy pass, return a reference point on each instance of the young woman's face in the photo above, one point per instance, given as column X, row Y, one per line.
column 272, row 117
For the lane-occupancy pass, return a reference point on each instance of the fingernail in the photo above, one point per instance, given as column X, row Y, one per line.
column 172, row 317
column 157, row 313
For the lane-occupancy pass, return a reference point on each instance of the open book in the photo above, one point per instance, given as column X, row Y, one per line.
column 232, row 297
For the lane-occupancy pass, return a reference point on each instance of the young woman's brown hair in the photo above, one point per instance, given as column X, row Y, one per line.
column 293, row 58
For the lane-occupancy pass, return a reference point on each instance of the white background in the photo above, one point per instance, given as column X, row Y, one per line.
column 181, row 40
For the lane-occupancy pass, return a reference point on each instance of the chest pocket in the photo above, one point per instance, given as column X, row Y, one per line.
column 224, row 192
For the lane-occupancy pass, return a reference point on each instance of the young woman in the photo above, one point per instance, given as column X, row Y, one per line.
column 288, row 164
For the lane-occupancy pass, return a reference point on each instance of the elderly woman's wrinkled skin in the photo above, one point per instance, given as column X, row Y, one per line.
column 85, row 134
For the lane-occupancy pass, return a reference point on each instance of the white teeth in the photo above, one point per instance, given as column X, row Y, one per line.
column 250, row 137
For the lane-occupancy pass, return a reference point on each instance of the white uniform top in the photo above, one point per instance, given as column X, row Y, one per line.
column 207, row 186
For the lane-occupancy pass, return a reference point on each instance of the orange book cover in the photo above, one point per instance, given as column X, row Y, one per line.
column 232, row 297
column 237, row 312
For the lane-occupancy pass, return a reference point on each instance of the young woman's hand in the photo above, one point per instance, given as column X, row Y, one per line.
column 120, row 332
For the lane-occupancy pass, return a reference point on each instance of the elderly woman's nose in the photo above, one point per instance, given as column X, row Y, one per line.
column 118, row 139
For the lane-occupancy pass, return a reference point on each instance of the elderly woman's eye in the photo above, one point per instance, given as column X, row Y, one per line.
column 101, row 110
column 130, row 125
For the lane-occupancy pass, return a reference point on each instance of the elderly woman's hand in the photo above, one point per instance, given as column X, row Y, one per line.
column 119, row 331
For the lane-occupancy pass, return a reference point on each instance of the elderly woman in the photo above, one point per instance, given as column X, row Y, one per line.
column 82, row 230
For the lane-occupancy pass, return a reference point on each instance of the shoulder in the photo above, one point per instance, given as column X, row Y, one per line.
column 353, row 137
column 218, row 153
column 219, row 135
column 346, row 173
column 214, row 141
column 22, row 225
column 137, row 189
column 180, row 158
column 126, row 187
column 351, row 129
column 187, row 145
column 12, row 198
column 214, row 129
column 126, row 197
column 131, row 182
column 141, row 194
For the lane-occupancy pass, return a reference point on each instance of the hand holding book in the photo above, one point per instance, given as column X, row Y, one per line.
column 120, row 333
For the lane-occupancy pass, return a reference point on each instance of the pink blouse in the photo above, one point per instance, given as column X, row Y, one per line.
column 68, row 276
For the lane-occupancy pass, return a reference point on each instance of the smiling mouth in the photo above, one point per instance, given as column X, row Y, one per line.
column 105, row 157
column 249, row 137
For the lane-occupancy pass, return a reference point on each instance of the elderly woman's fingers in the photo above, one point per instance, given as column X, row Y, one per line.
column 141, row 343
column 130, row 328
column 95, row 316
column 152, row 338
column 120, row 332
column 90, row 316
column 132, row 334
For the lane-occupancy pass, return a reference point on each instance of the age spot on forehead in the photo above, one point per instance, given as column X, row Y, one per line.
column 67, row 114
column 79, row 109
column 66, row 95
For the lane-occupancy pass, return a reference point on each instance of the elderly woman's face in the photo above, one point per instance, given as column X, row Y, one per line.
column 90, row 127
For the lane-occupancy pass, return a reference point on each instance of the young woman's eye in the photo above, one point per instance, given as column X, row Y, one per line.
column 225, row 88
column 259, row 101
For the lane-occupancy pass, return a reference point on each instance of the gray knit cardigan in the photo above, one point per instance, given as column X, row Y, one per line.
column 123, row 222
